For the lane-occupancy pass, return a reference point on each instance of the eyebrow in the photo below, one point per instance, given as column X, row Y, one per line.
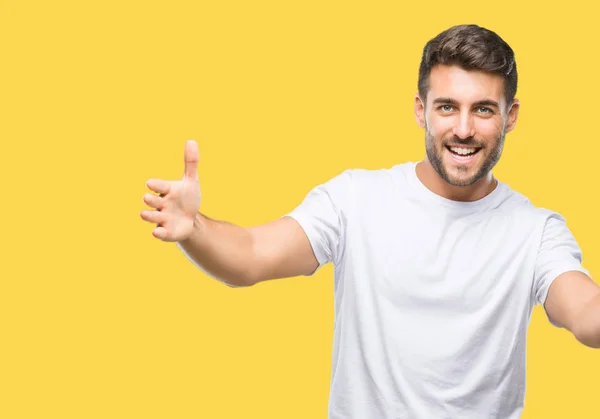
column 447, row 100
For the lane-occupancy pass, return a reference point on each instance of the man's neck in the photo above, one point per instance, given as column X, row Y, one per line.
column 435, row 183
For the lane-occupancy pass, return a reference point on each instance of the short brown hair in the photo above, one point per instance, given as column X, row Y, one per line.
column 470, row 47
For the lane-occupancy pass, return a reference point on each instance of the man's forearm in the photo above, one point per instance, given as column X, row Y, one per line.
column 221, row 250
column 588, row 324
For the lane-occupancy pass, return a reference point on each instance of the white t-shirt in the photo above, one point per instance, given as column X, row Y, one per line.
column 433, row 297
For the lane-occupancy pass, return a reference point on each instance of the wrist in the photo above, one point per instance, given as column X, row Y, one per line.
column 198, row 226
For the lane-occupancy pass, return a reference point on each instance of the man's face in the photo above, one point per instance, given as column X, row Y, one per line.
column 465, row 120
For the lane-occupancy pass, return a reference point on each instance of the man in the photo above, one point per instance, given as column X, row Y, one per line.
column 438, row 265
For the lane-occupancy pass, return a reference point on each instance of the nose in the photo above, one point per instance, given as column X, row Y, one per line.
column 464, row 126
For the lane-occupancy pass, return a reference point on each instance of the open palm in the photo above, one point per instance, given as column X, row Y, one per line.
column 178, row 202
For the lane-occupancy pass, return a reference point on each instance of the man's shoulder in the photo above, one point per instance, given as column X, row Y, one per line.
column 371, row 177
column 519, row 204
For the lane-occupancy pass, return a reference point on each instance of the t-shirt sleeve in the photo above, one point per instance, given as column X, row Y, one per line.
column 323, row 216
column 558, row 253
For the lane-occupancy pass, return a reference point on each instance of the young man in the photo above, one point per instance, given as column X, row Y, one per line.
column 438, row 265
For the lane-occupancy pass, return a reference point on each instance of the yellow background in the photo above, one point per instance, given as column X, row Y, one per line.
column 100, row 320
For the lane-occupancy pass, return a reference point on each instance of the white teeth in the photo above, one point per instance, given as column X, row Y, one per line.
column 463, row 151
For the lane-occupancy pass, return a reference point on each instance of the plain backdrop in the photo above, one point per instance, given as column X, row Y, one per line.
column 98, row 319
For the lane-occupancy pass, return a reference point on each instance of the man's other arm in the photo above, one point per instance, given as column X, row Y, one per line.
column 574, row 303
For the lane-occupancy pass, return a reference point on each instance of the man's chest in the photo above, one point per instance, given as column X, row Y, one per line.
column 417, row 256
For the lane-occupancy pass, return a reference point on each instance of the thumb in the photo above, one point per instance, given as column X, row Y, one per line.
column 191, row 157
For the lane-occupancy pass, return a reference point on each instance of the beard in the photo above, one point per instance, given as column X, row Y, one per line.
column 490, row 158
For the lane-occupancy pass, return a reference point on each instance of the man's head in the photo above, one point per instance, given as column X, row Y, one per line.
column 467, row 86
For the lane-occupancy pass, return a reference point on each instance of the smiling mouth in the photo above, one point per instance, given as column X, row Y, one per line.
column 463, row 152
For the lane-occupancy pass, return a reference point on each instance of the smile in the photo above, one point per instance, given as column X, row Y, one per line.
column 463, row 154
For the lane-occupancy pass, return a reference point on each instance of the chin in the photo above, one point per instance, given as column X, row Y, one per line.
column 461, row 182
column 465, row 176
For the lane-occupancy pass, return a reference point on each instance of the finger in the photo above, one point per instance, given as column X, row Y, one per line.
column 154, row 217
column 158, row 185
column 160, row 233
column 154, row 201
column 191, row 157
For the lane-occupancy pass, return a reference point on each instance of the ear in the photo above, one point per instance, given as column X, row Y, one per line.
column 513, row 113
column 419, row 111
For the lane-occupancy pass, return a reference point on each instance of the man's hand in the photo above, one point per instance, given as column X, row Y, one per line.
column 178, row 201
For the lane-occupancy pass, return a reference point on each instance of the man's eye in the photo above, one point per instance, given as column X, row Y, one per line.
column 485, row 110
column 446, row 108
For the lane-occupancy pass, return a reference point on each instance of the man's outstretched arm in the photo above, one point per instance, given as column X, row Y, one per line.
column 573, row 302
column 246, row 256
column 234, row 255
